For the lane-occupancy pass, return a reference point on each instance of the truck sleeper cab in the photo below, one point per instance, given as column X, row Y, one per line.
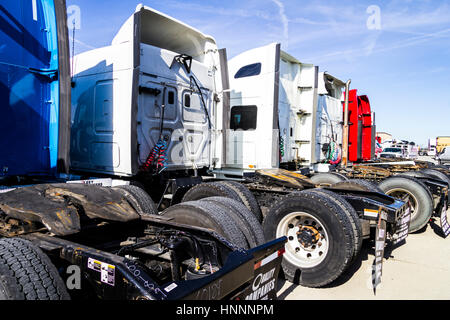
column 284, row 113
column 159, row 83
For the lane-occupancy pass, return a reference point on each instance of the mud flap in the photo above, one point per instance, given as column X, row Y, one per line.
column 445, row 227
column 380, row 241
column 403, row 227
column 402, row 232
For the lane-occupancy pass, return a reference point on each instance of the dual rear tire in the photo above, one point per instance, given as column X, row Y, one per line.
column 228, row 189
column 416, row 193
column 228, row 217
column 323, row 230
column 323, row 238
column 327, row 178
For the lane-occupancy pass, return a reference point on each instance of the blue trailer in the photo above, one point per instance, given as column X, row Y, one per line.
column 34, row 88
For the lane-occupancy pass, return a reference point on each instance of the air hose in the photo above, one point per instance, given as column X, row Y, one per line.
column 281, row 147
column 334, row 155
column 203, row 100
column 158, row 155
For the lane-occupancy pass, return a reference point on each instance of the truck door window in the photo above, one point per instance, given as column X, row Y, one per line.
column 243, row 118
column 187, row 100
column 22, row 40
column 171, row 97
column 248, row 71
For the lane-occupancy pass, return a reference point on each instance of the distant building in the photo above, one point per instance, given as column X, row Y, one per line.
column 384, row 136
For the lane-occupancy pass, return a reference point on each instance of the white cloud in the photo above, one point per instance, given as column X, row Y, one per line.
column 412, row 18
column 371, row 49
column 85, row 45
column 284, row 21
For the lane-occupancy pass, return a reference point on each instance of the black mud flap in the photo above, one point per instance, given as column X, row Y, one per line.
column 399, row 237
column 445, row 227
column 441, row 211
column 402, row 230
column 380, row 242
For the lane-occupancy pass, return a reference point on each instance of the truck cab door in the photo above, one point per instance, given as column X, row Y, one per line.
column 254, row 81
column 34, row 87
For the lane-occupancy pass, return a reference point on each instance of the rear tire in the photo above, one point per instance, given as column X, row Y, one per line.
column 246, row 197
column 437, row 174
column 227, row 189
column 210, row 189
column 140, row 200
column 327, row 178
column 26, row 273
column 420, row 197
column 412, row 176
column 352, row 214
column 305, row 216
column 242, row 216
column 359, row 185
column 209, row 216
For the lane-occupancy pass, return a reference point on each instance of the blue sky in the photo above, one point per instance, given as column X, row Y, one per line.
column 396, row 52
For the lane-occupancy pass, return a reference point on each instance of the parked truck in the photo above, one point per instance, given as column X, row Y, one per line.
column 432, row 143
column 361, row 128
column 284, row 113
column 287, row 114
column 62, row 239
column 156, row 111
column 441, row 143
column 153, row 110
column 396, row 171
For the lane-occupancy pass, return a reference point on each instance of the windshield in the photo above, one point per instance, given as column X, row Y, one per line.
column 392, row 150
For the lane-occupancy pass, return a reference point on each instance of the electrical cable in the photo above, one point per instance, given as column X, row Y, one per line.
column 203, row 101
column 157, row 157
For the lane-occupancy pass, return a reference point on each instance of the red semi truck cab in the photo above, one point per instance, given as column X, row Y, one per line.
column 362, row 130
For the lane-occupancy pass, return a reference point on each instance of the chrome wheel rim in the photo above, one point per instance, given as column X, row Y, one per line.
column 401, row 194
column 308, row 241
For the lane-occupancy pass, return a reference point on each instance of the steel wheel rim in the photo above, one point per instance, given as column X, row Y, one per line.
column 297, row 253
column 399, row 193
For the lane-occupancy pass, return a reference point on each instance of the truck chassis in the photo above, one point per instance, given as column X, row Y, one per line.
column 122, row 252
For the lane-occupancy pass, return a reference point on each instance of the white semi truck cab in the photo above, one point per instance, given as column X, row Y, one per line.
column 283, row 112
column 159, row 81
